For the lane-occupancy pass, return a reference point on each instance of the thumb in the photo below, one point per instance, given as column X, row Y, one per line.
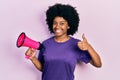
column 83, row 37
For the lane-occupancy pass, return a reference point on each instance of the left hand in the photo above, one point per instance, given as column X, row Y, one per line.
column 95, row 58
column 83, row 44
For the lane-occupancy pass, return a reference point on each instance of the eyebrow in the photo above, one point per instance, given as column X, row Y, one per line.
column 60, row 21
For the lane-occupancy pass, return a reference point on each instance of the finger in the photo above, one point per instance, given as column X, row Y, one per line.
column 80, row 45
column 33, row 49
column 84, row 38
column 28, row 51
column 33, row 54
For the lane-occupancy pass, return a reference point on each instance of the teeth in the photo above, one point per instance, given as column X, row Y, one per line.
column 57, row 31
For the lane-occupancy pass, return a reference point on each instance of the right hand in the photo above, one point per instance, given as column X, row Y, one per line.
column 31, row 52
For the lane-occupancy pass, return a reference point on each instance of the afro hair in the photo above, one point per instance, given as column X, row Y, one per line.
column 67, row 12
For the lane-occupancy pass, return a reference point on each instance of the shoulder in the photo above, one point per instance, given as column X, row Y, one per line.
column 75, row 39
column 47, row 41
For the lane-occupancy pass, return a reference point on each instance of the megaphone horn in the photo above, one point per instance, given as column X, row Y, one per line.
column 23, row 40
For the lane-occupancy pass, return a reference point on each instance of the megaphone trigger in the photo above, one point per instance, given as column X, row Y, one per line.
column 27, row 57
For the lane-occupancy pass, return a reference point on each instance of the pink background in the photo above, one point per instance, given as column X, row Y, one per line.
column 100, row 22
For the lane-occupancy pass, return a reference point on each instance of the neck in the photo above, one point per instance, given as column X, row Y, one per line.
column 62, row 38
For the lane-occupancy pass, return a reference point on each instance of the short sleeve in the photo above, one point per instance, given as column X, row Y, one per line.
column 40, row 55
column 84, row 56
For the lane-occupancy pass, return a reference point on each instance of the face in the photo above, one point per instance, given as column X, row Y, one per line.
column 60, row 26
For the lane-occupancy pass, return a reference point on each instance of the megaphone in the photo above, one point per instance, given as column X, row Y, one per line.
column 25, row 41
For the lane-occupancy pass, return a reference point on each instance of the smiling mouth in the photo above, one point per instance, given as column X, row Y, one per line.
column 58, row 31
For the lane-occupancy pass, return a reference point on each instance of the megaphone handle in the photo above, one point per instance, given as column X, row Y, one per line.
column 27, row 57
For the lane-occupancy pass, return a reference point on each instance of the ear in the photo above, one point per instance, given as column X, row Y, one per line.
column 68, row 27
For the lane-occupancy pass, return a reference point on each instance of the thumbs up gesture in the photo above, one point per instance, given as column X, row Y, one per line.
column 83, row 44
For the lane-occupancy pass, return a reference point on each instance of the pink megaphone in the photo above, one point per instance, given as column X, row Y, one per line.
column 23, row 40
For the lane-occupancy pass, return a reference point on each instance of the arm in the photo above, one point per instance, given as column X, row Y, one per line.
column 96, row 61
column 32, row 52
column 95, row 58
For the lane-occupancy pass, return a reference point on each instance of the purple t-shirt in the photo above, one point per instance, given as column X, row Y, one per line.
column 59, row 59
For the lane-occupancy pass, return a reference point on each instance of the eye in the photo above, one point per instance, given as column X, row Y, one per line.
column 62, row 23
column 54, row 23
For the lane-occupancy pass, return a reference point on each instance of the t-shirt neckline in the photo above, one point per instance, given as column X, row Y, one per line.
column 61, row 42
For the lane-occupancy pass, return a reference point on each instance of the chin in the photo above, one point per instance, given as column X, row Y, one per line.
column 58, row 35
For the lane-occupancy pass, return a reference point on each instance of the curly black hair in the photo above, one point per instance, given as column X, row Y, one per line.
column 67, row 12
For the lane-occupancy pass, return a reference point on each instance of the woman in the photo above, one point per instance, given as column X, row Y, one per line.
column 60, row 53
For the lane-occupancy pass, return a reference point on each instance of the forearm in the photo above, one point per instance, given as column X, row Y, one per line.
column 96, row 61
column 37, row 63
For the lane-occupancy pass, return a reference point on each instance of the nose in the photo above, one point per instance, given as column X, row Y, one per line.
column 57, row 26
